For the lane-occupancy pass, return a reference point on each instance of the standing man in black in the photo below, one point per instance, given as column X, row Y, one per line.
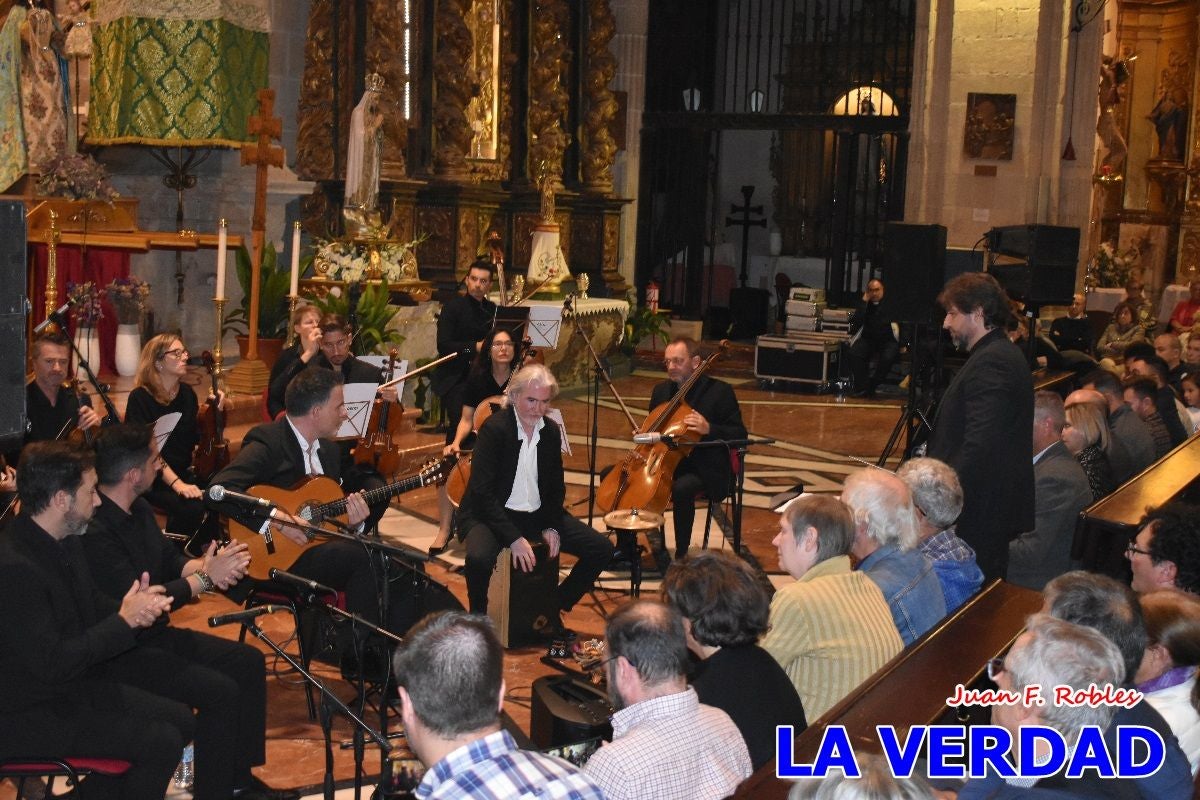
column 715, row 415
column 224, row 680
column 60, row 637
column 983, row 421
column 515, row 496
column 872, row 336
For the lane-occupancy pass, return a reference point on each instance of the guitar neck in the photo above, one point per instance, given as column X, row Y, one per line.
column 336, row 508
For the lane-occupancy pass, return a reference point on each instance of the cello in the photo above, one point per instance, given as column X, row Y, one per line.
column 643, row 478
column 212, row 451
column 376, row 448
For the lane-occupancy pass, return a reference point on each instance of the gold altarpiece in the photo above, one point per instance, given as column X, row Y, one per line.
column 482, row 98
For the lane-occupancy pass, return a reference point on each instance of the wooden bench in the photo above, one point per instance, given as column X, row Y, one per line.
column 1054, row 380
column 912, row 688
column 1106, row 526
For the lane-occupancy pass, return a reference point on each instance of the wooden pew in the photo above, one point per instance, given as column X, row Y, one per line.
column 1053, row 380
column 1106, row 526
column 912, row 688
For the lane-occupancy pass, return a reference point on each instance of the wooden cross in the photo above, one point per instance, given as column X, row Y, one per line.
column 747, row 224
column 262, row 154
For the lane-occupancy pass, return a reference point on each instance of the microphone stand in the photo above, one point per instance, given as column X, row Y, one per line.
column 110, row 410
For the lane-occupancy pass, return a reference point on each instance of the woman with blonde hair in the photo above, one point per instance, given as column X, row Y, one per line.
column 1167, row 675
column 306, row 321
column 1086, row 435
column 159, row 390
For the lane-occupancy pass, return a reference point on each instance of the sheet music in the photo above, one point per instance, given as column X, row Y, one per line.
column 545, row 323
column 556, row 415
column 357, row 398
column 164, row 426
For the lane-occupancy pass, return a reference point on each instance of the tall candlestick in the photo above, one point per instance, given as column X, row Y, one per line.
column 295, row 259
column 222, row 245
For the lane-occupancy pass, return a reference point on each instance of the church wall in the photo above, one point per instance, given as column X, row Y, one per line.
column 223, row 188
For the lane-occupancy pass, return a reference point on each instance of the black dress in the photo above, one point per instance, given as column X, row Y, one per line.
column 1096, row 467
column 480, row 386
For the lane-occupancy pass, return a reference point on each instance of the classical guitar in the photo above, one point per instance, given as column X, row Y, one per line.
column 314, row 500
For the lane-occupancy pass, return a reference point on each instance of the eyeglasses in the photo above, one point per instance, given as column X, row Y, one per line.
column 994, row 667
column 1132, row 548
column 175, row 352
column 498, row 345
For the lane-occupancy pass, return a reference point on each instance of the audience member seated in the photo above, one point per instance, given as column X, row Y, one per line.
column 1165, row 554
column 1121, row 332
column 1061, row 491
column 1183, row 316
column 1111, row 609
column 1168, row 347
column 1192, row 353
column 877, row 782
column 725, row 610
column 1085, row 433
column 60, row 638
column 1131, row 446
column 1141, row 395
column 938, row 499
column 831, row 629
column 1143, row 311
column 225, row 681
column 885, row 546
column 1054, row 653
column 1190, row 386
column 666, row 743
column 1174, row 415
column 1074, row 331
column 872, row 336
column 1167, row 675
column 451, row 654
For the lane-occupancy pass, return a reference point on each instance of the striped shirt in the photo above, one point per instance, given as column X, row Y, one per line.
column 494, row 768
column 830, row 631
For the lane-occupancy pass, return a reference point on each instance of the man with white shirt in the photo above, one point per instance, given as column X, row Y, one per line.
column 515, row 496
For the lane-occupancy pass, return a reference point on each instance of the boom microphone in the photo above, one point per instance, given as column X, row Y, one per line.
column 259, row 505
column 653, row 438
column 55, row 317
column 299, row 582
column 242, row 616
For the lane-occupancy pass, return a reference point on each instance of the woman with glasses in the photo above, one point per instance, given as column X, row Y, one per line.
column 159, row 390
column 490, row 371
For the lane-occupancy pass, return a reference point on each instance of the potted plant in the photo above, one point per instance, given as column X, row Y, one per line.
column 273, row 285
column 372, row 315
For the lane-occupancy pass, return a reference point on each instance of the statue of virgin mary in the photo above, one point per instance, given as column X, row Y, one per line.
column 360, row 206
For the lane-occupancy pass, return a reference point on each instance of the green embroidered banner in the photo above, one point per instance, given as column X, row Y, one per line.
column 175, row 81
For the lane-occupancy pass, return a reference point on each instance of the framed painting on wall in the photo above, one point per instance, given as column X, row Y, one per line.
column 990, row 125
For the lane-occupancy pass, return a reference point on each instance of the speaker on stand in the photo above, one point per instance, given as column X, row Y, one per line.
column 13, row 310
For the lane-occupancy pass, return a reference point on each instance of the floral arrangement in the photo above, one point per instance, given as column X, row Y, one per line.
column 77, row 176
column 85, row 300
column 349, row 261
column 128, row 297
column 1110, row 268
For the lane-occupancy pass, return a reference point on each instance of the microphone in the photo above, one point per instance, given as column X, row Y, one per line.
column 242, row 616
column 653, row 438
column 260, row 505
column 53, row 318
column 299, row 582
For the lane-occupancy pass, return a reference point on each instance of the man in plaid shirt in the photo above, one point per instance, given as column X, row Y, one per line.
column 451, row 691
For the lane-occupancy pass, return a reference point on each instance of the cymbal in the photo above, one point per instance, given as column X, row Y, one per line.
column 633, row 520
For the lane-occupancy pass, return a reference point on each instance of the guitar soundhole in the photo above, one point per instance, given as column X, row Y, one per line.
column 308, row 513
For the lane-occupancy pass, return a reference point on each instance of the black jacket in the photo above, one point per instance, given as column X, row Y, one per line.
column 463, row 322
column 714, row 400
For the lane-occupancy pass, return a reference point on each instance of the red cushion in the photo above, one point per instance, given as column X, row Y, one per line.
column 104, row 766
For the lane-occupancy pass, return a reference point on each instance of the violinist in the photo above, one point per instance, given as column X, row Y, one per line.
column 715, row 415
column 53, row 409
column 306, row 320
column 490, row 371
column 160, row 390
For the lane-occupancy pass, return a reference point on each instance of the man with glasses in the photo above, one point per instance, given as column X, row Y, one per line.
column 715, row 415
column 1166, row 552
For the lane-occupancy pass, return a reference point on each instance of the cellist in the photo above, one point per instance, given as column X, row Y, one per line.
column 715, row 415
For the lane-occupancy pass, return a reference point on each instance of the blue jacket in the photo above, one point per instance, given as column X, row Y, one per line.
column 910, row 587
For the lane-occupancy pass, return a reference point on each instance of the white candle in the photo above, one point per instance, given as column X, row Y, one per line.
column 222, row 245
column 295, row 259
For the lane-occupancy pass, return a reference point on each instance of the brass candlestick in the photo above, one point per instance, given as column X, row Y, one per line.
column 293, row 301
column 218, row 360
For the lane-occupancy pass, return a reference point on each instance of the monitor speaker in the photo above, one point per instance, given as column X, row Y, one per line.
column 914, row 270
column 13, row 309
column 1050, row 254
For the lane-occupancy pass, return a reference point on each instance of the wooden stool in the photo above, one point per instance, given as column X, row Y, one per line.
column 522, row 603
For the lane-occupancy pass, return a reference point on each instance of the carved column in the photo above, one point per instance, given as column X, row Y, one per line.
column 455, row 85
column 385, row 22
column 315, row 148
column 547, row 95
column 599, row 104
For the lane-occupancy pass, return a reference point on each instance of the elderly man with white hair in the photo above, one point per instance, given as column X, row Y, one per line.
column 885, row 544
column 938, row 500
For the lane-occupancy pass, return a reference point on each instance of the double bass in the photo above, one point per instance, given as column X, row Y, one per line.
column 212, row 451
column 376, row 448
column 643, row 479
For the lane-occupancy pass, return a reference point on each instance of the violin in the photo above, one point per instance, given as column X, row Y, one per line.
column 377, row 448
column 82, row 398
column 212, row 453
column 643, row 478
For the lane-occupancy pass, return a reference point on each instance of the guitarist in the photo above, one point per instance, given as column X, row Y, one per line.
column 284, row 452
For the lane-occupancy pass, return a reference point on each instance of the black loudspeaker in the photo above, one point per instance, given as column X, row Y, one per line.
column 566, row 709
column 1050, row 254
column 914, row 270
column 748, row 307
column 13, row 308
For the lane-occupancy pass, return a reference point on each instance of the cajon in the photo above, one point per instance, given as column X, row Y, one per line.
column 521, row 603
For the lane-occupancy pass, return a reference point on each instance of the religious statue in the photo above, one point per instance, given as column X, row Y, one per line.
column 547, row 192
column 1169, row 116
column 1113, row 74
column 364, row 152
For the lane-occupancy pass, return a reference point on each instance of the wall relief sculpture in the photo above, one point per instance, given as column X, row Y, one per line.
column 455, row 85
column 548, row 96
column 600, row 106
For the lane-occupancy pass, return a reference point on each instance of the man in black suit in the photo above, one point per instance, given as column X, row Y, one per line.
column 60, row 638
column 872, row 337
column 463, row 323
column 515, row 495
column 715, row 415
column 983, row 422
